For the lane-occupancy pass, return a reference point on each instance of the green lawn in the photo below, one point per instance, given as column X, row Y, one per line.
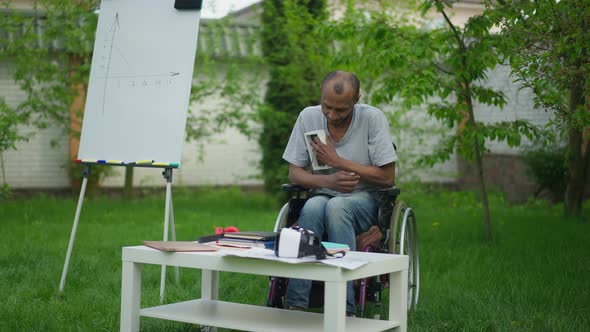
column 534, row 276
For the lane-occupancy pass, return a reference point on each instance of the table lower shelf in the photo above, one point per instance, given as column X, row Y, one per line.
column 248, row 317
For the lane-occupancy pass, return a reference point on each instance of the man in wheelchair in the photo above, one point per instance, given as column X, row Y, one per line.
column 356, row 158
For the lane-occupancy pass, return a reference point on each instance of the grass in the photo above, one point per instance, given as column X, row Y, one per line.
column 534, row 275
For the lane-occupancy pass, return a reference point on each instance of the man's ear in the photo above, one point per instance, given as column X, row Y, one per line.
column 357, row 98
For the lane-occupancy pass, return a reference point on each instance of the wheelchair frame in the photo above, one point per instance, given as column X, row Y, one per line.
column 397, row 222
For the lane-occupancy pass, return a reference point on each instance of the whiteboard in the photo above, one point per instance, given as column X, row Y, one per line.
column 140, row 82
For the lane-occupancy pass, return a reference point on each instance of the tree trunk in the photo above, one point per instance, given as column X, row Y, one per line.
column 4, row 184
column 128, row 192
column 487, row 224
column 577, row 157
column 76, row 112
column 76, row 108
column 466, row 94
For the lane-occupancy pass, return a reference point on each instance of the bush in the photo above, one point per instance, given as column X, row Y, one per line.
column 547, row 167
column 5, row 192
column 294, row 55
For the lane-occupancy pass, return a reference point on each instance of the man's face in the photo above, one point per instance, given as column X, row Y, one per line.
column 337, row 108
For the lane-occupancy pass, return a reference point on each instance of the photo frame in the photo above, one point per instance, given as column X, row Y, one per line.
column 315, row 163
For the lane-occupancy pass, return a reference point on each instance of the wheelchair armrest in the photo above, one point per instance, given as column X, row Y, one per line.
column 390, row 192
column 293, row 188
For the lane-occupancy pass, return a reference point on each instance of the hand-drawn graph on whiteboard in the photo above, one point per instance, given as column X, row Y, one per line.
column 140, row 81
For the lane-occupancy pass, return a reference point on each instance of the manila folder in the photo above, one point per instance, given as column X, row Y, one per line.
column 178, row 246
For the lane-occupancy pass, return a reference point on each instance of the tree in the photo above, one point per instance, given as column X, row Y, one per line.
column 10, row 119
column 233, row 78
column 50, row 49
column 294, row 55
column 443, row 69
column 547, row 44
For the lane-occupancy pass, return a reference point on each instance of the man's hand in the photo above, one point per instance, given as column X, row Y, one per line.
column 326, row 153
column 342, row 181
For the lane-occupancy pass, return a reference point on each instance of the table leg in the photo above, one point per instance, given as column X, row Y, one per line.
column 209, row 285
column 398, row 298
column 209, row 291
column 130, row 296
column 335, row 309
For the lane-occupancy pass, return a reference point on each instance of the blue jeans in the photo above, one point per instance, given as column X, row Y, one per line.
column 341, row 219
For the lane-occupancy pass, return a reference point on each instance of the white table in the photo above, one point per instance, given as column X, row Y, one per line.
column 210, row 311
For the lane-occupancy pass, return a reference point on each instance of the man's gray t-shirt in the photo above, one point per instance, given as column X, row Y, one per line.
column 367, row 141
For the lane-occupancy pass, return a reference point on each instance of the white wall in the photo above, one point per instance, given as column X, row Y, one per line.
column 419, row 134
column 229, row 158
column 519, row 106
column 226, row 158
column 36, row 163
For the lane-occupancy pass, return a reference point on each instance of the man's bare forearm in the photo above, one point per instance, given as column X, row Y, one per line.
column 300, row 176
column 383, row 176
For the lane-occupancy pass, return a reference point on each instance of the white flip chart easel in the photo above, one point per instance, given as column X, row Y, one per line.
column 138, row 94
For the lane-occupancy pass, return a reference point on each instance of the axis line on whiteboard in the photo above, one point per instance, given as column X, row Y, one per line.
column 139, row 76
column 114, row 28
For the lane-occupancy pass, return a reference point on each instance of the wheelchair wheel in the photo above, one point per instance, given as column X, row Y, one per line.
column 277, row 289
column 403, row 240
column 282, row 218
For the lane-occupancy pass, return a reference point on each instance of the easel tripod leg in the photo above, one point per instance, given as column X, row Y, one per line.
column 168, row 175
column 64, row 273
column 173, row 230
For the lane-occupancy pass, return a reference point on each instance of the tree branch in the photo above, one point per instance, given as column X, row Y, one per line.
column 441, row 69
column 452, row 26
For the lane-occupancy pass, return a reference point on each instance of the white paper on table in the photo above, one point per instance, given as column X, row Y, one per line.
column 268, row 254
column 345, row 262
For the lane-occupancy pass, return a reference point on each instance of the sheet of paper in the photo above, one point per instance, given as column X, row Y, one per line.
column 345, row 262
column 268, row 254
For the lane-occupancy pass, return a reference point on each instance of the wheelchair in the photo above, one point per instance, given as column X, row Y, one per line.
column 396, row 222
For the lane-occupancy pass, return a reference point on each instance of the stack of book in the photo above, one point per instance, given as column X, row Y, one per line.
column 248, row 239
column 333, row 247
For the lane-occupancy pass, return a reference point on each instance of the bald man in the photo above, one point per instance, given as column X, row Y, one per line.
column 361, row 157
